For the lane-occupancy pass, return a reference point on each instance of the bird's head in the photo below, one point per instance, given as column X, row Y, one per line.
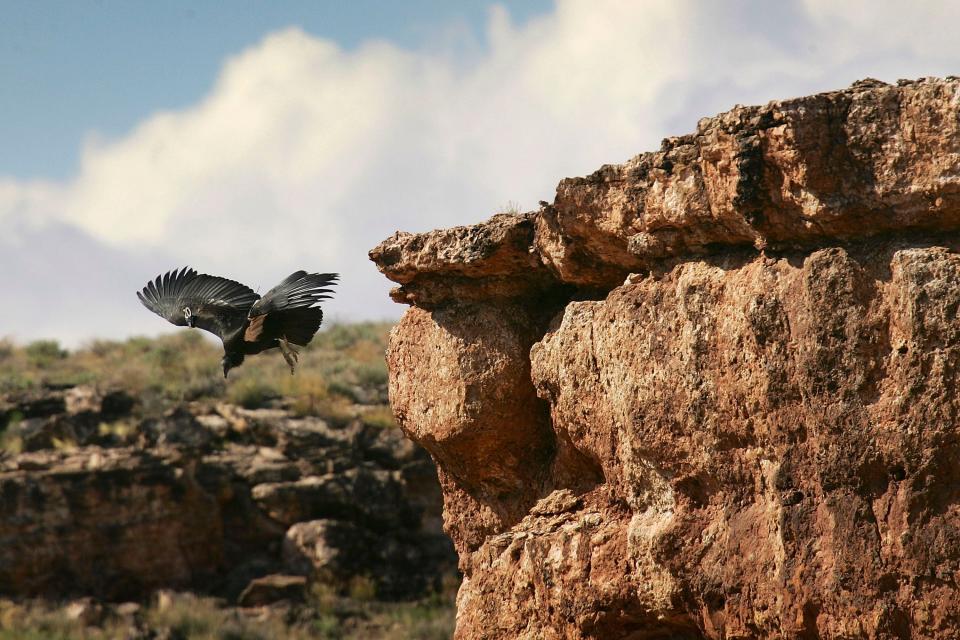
column 231, row 360
column 189, row 317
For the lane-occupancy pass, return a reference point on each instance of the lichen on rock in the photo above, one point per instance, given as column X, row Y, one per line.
column 710, row 392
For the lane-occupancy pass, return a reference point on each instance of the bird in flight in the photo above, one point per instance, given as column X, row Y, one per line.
column 246, row 323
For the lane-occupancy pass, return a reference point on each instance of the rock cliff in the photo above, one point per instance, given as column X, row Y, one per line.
column 249, row 504
column 710, row 392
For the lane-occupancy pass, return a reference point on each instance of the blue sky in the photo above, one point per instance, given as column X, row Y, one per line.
column 71, row 68
column 251, row 139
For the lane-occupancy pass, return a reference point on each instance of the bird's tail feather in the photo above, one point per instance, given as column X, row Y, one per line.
column 299, row 325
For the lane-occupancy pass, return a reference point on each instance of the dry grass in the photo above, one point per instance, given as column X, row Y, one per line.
column 189, row 617
column 343, row 367
column 379, row 416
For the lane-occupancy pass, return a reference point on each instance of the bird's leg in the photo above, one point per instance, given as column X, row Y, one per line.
column 289, row 354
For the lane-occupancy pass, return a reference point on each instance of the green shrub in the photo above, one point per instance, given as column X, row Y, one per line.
column 373, row 374
column 7, row 349
column 16, row 381
column 362, row 588
column 251, row 392
column 379, row 417
column 43, row 353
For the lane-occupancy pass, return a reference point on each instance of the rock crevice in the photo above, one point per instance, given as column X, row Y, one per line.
column 710, row 392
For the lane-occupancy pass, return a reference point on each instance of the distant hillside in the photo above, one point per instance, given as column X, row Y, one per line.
column 343, row 366
column 145, row 496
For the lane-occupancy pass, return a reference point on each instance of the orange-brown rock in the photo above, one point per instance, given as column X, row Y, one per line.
column 462, row 388
column 746, row 420
column 467, row 263
column 205, row 497
column 107, row 522
column 835, row 166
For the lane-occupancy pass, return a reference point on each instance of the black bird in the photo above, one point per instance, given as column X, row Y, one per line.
column 245, row 322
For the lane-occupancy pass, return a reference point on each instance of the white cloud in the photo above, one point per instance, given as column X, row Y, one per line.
column 306, row 155
column 36, row 203
column 925, row 29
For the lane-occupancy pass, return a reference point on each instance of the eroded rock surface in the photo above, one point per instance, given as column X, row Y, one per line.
column 712, row 392
column 110, row 504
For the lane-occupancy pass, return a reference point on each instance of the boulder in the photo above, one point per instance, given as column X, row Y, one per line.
column 336, row 552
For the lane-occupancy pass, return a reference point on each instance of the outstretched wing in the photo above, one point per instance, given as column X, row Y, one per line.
column 299, row 290
column 216, row 304
column 288, row 310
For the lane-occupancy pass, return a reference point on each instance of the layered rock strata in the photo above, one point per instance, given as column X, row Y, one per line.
column 211, row 497
column 711, row 392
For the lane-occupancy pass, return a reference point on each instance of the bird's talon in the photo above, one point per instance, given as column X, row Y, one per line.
column 289, row 354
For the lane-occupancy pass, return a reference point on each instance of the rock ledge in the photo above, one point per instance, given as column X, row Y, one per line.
column 710, row 392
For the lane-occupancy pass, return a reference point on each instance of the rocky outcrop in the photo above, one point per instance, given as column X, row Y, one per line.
column 711, row 392
column 106, row 503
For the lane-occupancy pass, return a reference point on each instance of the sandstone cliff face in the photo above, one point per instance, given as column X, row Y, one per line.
column 711, row 392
